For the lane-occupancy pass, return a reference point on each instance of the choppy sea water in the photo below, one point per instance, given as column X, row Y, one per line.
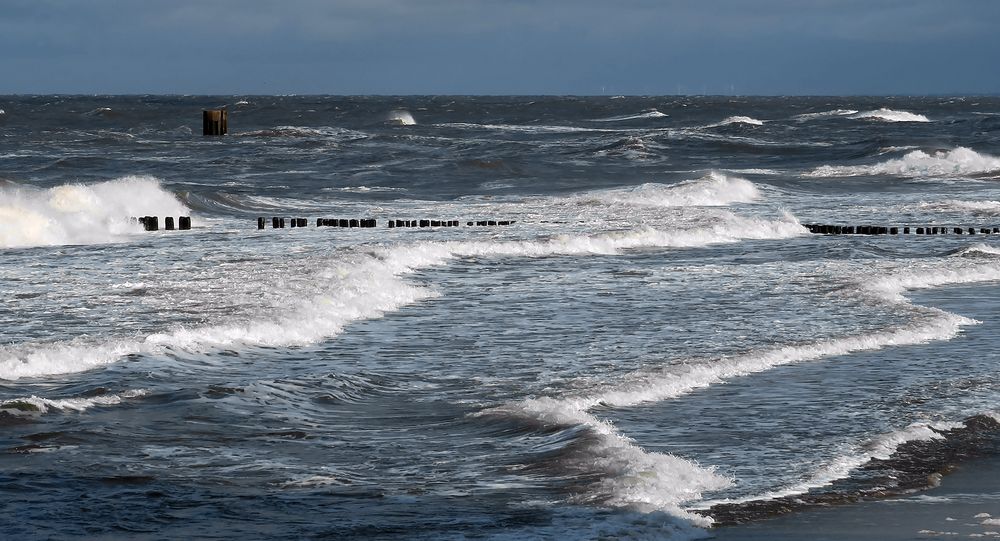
column 655, row 348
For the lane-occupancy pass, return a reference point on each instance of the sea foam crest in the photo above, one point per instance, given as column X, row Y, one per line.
column 879, row 448
column 44, row 405
column 81, row 213
column 750, row 121
column 978, row 250
column 890, row 115
column 652, row 113
column 825, row 114
column 987, row 207
column 637, row 478
column 958, row 161
column 711, row 190
column 364, row 286
column 400, row 117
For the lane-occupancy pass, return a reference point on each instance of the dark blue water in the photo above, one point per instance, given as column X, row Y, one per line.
column 655, row 347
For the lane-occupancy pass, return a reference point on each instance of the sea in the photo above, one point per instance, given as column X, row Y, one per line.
column 644, row 341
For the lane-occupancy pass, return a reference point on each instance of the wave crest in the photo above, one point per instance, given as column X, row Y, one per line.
column 712, row 190
column 651, row 113
column 890, row 115
column 749, row 121
column 81, row 213
column 958, row 161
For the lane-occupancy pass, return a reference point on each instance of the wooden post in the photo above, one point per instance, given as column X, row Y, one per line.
column 184, row 223
column 215, row 121
column 168, row 223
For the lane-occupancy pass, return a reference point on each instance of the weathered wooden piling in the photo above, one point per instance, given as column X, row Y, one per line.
column 184, row 223
column 215, row 121
column 168, row 223
column 261, row 223
column 150, row 223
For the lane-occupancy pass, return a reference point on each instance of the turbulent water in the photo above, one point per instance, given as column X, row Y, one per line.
column 654, row 348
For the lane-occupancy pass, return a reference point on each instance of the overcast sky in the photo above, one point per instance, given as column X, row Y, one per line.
column 500, row 46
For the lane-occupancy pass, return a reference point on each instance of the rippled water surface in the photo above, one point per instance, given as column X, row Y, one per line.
column 654, row 347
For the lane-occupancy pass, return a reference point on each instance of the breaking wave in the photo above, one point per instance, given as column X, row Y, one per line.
column 737, row 120
column 825, row 114
column 713, row 190
column 400, row 117
column 958, row 161
column 81, row 213
column 36, row 404
column 364, row 286
column 632, row 477
column 652, row 113
column 889, row 115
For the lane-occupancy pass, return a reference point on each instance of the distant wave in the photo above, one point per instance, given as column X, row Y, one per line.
column 304, row 131
column 989, row 208
column 217, row 202
column 652, row 113
column 526, row 128
column 958, row 161
column 889, row 115
column 749, row 121
column 713, row 189
column 825, row 114
column 400, row 117
column 81, row 213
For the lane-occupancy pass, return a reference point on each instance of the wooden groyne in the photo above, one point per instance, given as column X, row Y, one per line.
column 828, row 229
column 279, row 222
column 215, row 122
column 152, row 223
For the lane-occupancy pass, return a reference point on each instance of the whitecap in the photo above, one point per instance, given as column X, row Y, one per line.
column 825, row 114
column 652, row 113
column 400, row 117
column 890, row 115
column 737, row 120
column 958, row 161
column 713, row 189
column 81, row 213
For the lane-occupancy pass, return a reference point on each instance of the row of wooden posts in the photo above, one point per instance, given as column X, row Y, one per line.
column 824, row 229
column 152, row 223
column 279, row 223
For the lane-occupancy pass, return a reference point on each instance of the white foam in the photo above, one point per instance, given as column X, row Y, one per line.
column 635, row 477
column 81, row 213
column 889, row 115
column 955, row 205
column 958, row 161
column 825, row 114
column 892, row 287
column 400, row 117
column 880, row 448
column 979, row 249
column 525, row 128
column 737, row 120
column 44, row 405
column 362, row 287
column 713, row 189
column 652, row 113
